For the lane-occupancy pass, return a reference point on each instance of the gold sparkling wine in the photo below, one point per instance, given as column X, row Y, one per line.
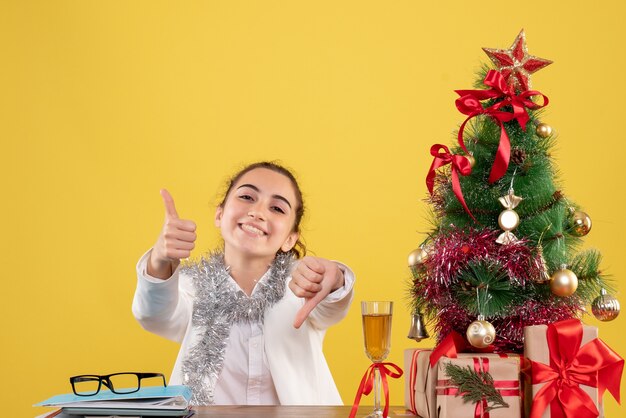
column 377, row 341
column 377, row 335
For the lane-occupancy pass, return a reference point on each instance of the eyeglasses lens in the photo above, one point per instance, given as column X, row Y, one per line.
column 86, row 385
column 124, row 382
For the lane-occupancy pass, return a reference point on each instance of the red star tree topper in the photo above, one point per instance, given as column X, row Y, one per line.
column 516, row 64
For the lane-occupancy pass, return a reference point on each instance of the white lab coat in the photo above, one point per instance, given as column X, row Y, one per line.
column 297, row 364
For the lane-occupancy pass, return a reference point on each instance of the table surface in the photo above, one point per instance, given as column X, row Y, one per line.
column 291, row 411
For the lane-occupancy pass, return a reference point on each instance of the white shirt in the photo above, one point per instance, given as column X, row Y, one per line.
column 246, row 377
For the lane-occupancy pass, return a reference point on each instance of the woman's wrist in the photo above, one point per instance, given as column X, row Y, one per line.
column 340, row 279
column 159, row 268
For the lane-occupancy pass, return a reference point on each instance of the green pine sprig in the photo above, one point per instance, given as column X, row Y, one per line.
column 475, row 385
column 496, row 294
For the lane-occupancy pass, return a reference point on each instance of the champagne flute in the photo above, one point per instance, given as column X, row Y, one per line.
column 377, row 339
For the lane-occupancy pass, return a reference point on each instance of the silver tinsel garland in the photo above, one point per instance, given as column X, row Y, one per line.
column 218, row 305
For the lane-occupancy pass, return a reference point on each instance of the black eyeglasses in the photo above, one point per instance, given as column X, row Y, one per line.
column 120, row 383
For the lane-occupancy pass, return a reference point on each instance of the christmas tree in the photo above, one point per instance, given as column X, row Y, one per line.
column 504, row 249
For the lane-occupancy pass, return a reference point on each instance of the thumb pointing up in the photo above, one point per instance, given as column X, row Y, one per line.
column 175, row 242
column 170, row 207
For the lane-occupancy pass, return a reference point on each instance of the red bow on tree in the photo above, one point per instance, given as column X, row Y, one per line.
column 459, row 163
column 469, row 104
column 571, row 365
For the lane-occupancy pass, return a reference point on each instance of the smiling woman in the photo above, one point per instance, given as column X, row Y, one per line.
column 241, row 313
column 299, row 249
column 256, row 215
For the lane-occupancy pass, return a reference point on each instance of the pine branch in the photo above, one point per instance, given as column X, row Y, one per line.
column 586, row 266
column 495, row 290
column 473, row 386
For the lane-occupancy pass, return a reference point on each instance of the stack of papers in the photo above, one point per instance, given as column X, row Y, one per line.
column 171, row 401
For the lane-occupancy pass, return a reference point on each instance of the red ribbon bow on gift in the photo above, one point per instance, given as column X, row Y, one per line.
column 469, row 104
column 367, row 384
column 453, row 344
column 594, row 364
column 449, row 347
column 460, row 164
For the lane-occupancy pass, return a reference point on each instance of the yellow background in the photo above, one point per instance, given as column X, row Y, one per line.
column 103, row 103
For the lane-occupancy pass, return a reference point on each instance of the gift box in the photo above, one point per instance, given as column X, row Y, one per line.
column 419, row 383
column 505, row 371
column 570, row 369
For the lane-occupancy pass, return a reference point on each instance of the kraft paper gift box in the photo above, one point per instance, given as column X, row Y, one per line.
column 505, row 370
column 420, row 380
column 419, row 383
column 536, row 349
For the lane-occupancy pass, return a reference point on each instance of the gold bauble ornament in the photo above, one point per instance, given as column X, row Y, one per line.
column 480, row 333
column 579, row 224
column 417, row 257
column 471, row 159
column 605, row 307
column 543, row 130
column 508, row 219
column 563, row 282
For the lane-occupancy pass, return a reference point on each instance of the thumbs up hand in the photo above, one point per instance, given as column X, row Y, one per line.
column 175, row 242
column 313, row 279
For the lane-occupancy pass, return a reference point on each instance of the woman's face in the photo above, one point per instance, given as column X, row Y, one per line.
column 258, row 215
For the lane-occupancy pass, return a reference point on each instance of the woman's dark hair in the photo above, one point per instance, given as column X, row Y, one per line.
column 299, row 249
